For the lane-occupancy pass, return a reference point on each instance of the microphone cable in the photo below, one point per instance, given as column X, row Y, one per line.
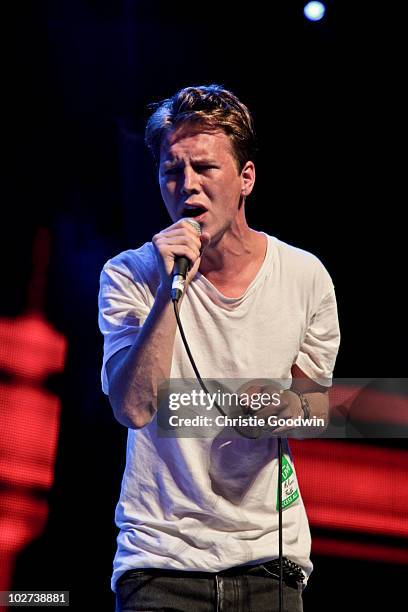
column 221, row 410
column 190, row 356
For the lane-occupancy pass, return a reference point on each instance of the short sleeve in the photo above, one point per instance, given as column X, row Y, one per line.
column 123, row 308
column 318, row 351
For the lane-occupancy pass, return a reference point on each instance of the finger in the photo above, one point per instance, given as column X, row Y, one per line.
column 174, row 251
column 246, row 399
column 251, row 387
column 188, row 240
column 269, row 411
column 278, row 431
column 163, row 240
column 179, row 234
column 190, row 227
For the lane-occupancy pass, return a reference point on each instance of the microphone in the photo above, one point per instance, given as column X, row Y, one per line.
column 181, row 267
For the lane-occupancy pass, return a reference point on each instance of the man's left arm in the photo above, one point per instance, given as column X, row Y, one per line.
column 307, row 398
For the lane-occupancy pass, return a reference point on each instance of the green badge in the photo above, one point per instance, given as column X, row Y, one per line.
column 290, row 491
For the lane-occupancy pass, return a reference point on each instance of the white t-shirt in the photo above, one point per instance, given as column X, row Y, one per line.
column 168, row 513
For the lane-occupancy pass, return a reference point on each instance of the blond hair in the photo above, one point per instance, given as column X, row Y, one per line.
column 208, row 108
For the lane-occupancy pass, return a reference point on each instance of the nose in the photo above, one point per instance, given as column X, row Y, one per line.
column 190, row 181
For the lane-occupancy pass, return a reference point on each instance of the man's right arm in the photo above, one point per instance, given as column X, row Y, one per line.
column 134, row 372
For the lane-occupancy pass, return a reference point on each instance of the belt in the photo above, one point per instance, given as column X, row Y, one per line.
column 292, row 573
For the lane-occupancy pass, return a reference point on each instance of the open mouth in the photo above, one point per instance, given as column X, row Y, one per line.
column 193, row 212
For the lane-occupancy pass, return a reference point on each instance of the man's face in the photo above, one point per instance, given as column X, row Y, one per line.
column 199, row 178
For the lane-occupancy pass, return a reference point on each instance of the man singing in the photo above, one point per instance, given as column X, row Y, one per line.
column 199, row 531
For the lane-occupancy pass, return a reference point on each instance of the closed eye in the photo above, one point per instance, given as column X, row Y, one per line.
column 197, row 168
column 203, row 167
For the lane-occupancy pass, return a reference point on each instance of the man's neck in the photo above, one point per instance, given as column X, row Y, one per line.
column 240, row 250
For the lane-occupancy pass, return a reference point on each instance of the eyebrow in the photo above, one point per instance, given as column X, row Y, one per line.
column 203, row 160
column 194, row 160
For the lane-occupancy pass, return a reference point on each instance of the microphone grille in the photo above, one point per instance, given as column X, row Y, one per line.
column 194, row 223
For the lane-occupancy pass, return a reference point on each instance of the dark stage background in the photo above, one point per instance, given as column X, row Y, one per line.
column 327, row 101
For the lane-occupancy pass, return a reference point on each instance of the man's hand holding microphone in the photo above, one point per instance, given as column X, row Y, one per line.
column 179, row 249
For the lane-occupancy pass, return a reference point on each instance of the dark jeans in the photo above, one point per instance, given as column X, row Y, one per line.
column 246, row 590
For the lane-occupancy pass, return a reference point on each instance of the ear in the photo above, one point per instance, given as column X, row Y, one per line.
column 248, row 178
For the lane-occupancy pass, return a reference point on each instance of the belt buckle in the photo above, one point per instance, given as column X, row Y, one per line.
column 292, row 572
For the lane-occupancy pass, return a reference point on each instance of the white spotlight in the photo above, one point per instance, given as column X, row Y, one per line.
column 314, row 11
